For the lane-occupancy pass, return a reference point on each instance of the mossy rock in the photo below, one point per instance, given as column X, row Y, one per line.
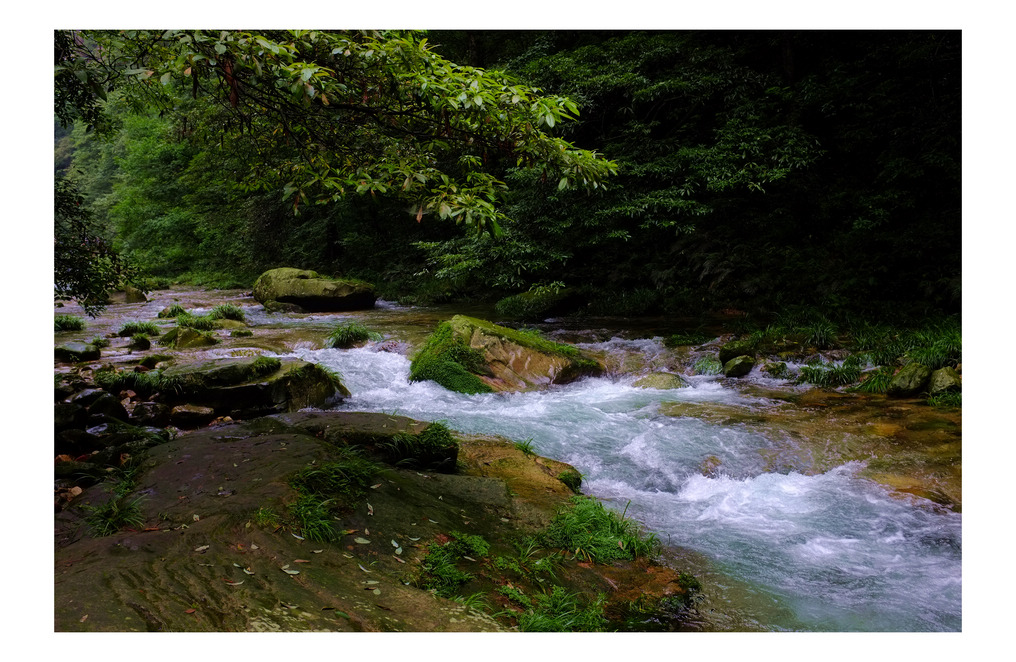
column 73, row 352
column 313, row 292
column 944, row 380
column 245, row 387
column 738, row 366
column 734, row 349
column 470, row 355
column 910, row 380
column 662, row 381
column 534, row 305
column 184, row 337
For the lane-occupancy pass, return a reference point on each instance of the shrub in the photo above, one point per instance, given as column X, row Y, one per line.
column 134, row 328
column 349, row 335
column 68, row 323
column 241, row 333
column 686, row 339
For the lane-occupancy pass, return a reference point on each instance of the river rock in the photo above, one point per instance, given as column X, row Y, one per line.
column 128, row 295
column 86, row 397
column 184, row 337
column 313, row 292
column 73, row 352
column 738, row 366
column 244, row 387
column 191, row 416
column 944, row 380
column 150, row 414
column 108, row 405
column 470, row 355
column 910, row 380
column 736, row 348
column 661, row 380
column 67, row 415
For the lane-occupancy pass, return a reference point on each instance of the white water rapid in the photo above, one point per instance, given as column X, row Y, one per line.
column 830, row 552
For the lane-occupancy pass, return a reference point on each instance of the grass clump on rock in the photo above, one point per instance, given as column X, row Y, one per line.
column 68, row 323
column 227, row 311
column 349, row 335
column 130, row 329
column 434, row 448
column 592, row 532
column 172, row 311
column 142, row 383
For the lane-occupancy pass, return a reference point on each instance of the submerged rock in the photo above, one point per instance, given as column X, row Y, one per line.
column 470, row 355
column 311, row 291
column 910, row 380
column 662, row 381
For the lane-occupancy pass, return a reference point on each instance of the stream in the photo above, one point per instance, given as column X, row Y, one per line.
column 785, row 529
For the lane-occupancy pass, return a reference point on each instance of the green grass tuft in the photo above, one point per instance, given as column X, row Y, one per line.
column 227, row 311
column 173, row 311
column 68, row 323
column 350, row 334
column 590, row 531
column 134, row 328
column 434, row 448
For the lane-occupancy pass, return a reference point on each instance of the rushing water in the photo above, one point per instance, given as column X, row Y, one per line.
column 796, row 544
column 825, row 552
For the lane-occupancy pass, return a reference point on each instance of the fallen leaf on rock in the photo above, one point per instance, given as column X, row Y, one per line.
column 374, row 487
column 316, row 551
column 291, row 572
column 201, row 548
column 370, row 510
column 469, row 558
column 253, row 546
column 296, row 536
column 234, row 583
column 248, row 571
column 362, row 568
column 362, row 541
column 395, row 544
column 377, row 591
column 398, row 559
column 398, row 551
column 83, row 618
column 189, row 611
column 301, row 561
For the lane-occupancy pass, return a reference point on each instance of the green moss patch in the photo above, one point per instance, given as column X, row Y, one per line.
column 449, row 361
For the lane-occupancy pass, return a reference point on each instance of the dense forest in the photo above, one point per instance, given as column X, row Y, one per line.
column 629, row 173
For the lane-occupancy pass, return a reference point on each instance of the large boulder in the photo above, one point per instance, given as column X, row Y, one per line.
column 311, row 291
column 245, row 387
column 944, row 380
column 470, row 355
column 910, row 380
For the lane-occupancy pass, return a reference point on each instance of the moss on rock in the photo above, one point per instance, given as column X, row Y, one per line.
column 470, row 355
